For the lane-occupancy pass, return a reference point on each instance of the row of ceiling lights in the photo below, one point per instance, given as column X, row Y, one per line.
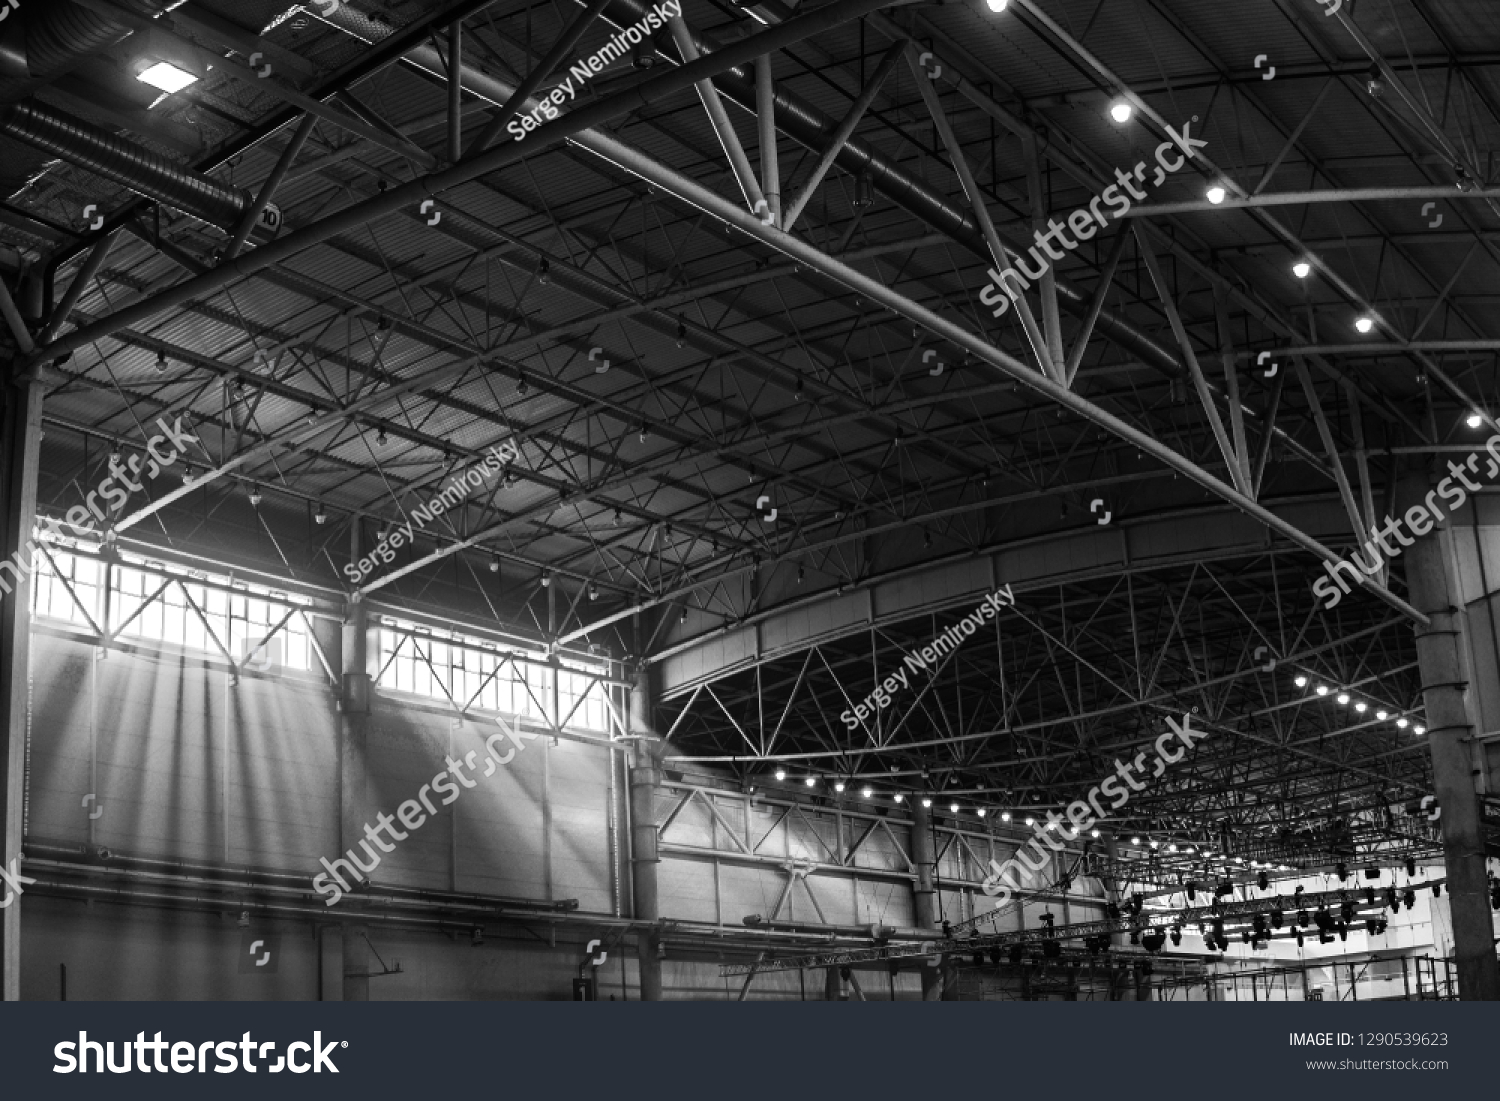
column 1344, row 699
column 867, row 792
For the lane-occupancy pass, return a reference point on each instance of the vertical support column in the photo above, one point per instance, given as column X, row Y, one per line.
column 1433, row 585
column 765, row 109
column 20, row 444
column 354, row 717
column 922, row 895
column 645, row 779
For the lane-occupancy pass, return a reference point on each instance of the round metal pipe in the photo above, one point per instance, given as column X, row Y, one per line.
column 712, row 204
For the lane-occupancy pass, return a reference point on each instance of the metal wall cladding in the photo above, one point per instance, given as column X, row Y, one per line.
column 161, row 737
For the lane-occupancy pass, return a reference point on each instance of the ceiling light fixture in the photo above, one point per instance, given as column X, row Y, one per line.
column 1215, row 194
column 166, row 77
column 1419, row 730
column 867, row 791
column 1343, row 698
column 1121, row 111
column 1364, row 324
column 926, row 802
column 838, row 785
column 1474, row 420
column 1300, row 682
column 1402, row 724
column 1361, row 706
column 1322, row 689
column 996, row 6
column 1301, row 269
column 781, row 774
column 811, row 781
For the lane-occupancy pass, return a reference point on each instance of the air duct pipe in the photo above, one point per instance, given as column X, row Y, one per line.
column 117, row 158
column 40, row 42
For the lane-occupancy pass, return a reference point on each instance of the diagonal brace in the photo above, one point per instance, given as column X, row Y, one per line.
column 1236, row 474
column 981, row 212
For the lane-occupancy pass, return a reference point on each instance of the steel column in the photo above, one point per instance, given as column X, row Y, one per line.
column 20, row 443
column 645, row 781
column 1432, row 579
column 354, row 712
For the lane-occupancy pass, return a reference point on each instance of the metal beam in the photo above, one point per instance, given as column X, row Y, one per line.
column 81, row 281
column 1292, row 139
column 455, row 91
column 1039, row 345
column 559, row 52
column 1331, row 451
column 1304, row 198
column 845, row 129
column 1232, row 388
column 1096, row 303
column 729, row 140
column 575, row 125
column 1205, row 396
column 268, row 189
column 765, row 117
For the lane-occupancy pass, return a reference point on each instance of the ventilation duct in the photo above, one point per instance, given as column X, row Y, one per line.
column 121, row 160
column 39, row 42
